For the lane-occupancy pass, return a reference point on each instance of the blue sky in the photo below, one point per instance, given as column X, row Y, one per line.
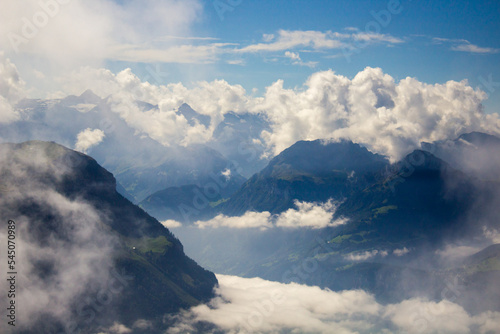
column 434, row 41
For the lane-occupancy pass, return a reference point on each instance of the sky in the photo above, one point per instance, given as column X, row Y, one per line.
column 255, row 43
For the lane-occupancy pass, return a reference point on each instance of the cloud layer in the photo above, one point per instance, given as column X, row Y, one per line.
column 254, row 305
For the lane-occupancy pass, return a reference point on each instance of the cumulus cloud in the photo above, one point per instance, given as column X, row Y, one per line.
column 372, row 109
column 88, row 138
column 305, row 215
column 363, row 256
column 254, row 305
column 310, row 215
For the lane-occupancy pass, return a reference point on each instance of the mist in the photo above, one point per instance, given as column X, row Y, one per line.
column 60, row 259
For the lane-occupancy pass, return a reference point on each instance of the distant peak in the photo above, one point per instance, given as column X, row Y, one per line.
column 90, row 96
column 479, row 138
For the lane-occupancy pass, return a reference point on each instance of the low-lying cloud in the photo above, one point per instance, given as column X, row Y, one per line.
column 310, row 215
column 304, row 215
column 254, row 305
column 88, row 138
column 62, row 252
column 363, row 256
column 250, row 219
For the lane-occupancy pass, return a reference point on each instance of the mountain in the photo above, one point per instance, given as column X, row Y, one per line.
column 237, row 137
column 306, row 171
column 87, row 257
column 192, row 116
column 475, row 153
column 185, row 204
column 141, row 165
column 174, row 167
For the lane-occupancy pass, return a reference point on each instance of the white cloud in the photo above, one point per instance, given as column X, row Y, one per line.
column 492, row 235
column 11, row 90
column 61, row 36
column 171, row 223
column 87, row 29
column 463, row 45
column 372, row 109
column 473, row 49
column 254, row 305
column 296, row 60
column 291, row 39
column 226, row 173
column 363, row 256
column 401, row 251
column 420, row 316
column 455, row 252
column 371, row 37
column 249, row 220
column 143, row 324
column 388, row 117
column 88, row 138
column 310, row 215
column 163, row 124
column 305, row 215
column 292, row 55
column 317, row 40
column 117, row 328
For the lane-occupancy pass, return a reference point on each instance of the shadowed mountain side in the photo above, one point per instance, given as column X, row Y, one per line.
column 306, row 171
column 65, row 203
column 475, row 153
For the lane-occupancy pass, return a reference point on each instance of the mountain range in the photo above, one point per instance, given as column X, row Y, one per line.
column 397, row 214
column 325, row 213
column 141, row 165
